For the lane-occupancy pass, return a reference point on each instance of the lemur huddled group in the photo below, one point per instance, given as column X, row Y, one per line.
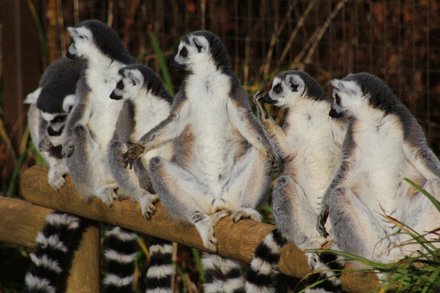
column 113, row 128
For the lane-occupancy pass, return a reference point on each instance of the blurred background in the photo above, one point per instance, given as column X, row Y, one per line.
column 399, row 41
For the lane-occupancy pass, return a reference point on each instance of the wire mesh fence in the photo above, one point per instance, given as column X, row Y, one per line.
column 396, row 40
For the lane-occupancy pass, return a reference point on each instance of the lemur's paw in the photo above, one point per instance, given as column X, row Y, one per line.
column 147, row 203
column 218, row 216
column 245, row 213
column 68, row 148
column 134, row 150
column 206, row 232
column 56, row 180
column 219, row 205
column 108, row 195
column 45, row 145
column 322, row 220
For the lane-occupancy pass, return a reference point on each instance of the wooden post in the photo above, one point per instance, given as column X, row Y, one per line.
column 237, row 241
column 84, row 274
column 21, row 221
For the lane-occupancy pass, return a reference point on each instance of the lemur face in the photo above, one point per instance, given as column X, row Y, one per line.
column 347, row 98
column 130, row 83
column 193, row 49
column 82, row 42
column 285, row 90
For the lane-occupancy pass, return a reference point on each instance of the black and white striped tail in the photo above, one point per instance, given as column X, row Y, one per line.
column 327, row 279
column 52, row 258
column 262, row 272
column 120, row 254
column 160, row 273
column 222, row 275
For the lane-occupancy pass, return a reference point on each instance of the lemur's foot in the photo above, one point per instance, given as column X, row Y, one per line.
column 245, row 213
column 147, row 203
column 322, row 220
column 56, row 179
column 107, row 195
column 205, row 227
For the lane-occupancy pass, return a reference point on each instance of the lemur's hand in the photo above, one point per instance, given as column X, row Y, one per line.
column 133, row 152
column 261, row 112
column 68, row 147
column 322, row 219
column 45, row 145
column 275, row 160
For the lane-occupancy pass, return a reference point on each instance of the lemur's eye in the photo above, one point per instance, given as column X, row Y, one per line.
column 183, row 52
column 120, row 85
column 277, row 89
column 337, row 99
column 82, row 37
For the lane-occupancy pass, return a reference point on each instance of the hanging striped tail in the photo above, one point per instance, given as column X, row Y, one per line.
column 327, row 277
column 160, row 273
column 222, row 275
column 53, row 255
column 120, row 254
column 263, row 269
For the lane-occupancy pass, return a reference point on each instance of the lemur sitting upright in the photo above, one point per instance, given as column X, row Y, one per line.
column 89, row 130
column 145, row 104
column 221, row 151
column 311, row 140
column 384, row 144
column 92, row 122
column 50, row 104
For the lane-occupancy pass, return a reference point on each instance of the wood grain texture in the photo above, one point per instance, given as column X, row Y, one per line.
column 84, row 275
column 237, row 241
column 20, row 221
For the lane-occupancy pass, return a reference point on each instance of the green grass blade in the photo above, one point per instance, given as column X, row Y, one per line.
column 41, row 34
column 14, row 178
column 198, row 261
column 434, row 201
column 370, row 263
column 162, row 63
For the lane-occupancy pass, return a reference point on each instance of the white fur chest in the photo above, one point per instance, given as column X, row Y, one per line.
column 150, row 111
column 318, row 154
column 105, row 111
column 212, row 155
column 378, row 161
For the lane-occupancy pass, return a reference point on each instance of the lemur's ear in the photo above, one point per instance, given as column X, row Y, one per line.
column 69, row 102
column 32, row 97
column 136, row 77
column 200, row 43
column 295, row 82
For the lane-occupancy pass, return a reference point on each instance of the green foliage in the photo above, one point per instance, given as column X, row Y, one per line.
column 419, row 272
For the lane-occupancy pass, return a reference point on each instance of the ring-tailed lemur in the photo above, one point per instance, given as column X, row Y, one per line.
column 50, row 105
column 311, row 140
column 92, row 122
column 220, row 151
column 384, row 144
column 145, row 104
column 89, row 130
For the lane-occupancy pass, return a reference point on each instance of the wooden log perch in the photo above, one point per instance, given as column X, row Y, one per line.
column 20, row 222
column 236, row 241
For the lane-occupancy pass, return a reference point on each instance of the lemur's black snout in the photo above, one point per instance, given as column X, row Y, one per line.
column 114, row 96
column 70, row 55
column 268, row 100
column 335, row 114
column 176, row 66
